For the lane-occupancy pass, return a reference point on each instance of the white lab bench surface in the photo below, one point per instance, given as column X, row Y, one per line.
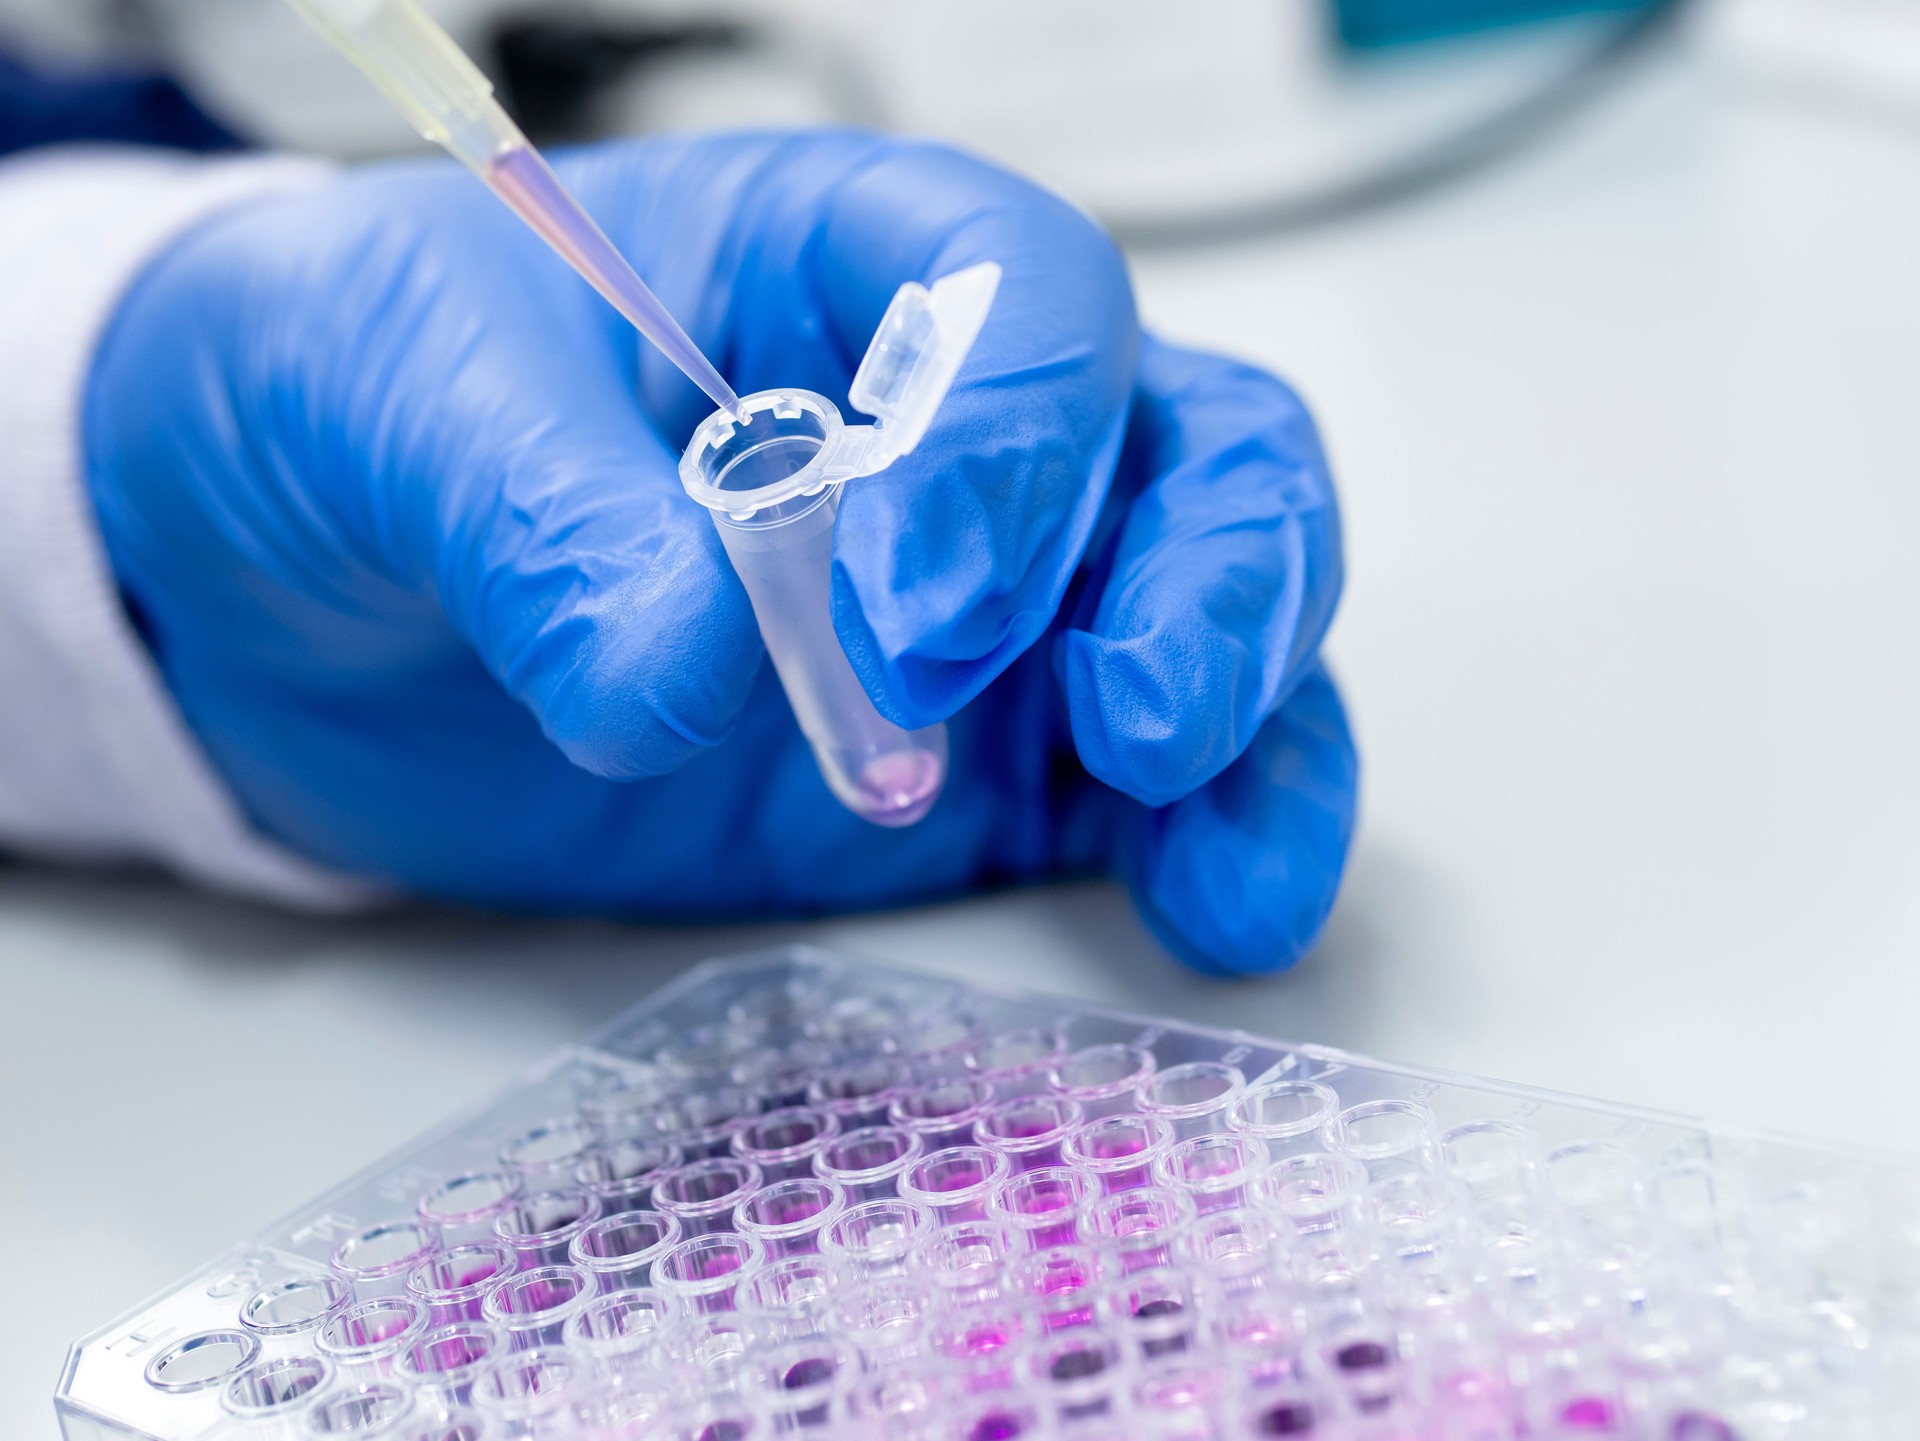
column 1626, row 433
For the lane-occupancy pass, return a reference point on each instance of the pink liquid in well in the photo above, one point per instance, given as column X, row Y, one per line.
column 522, row 179
column 1116, row 1145
column 898, row 788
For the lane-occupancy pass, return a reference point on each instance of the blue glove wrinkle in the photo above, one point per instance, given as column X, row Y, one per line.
column 1222, row 581
column 1239, row 877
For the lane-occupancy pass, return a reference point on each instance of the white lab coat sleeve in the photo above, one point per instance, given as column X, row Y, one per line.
column 96, row 762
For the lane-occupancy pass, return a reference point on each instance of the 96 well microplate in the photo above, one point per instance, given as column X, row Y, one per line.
column 795, row 1193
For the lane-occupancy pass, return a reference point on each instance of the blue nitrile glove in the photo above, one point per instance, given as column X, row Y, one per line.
column 393, row 494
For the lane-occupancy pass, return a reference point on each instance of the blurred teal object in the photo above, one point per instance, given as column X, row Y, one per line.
column 1369, row 24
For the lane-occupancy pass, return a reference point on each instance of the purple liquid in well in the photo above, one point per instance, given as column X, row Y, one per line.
column 985, row 1340
column 898, row 788
column 1289, row 1418
column 1101, row 1148
column 1588, row 1413
column 1699, row 1426
column 807, row 1373
column 1361, row 1356
column 958, row 1177
column 997, row 1427
column 521, row 178
column 1077, row 1365
column 720, row 1263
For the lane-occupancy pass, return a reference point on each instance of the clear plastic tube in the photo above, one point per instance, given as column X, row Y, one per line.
column 703, row 1124
column 874, row 1239
column 452, row 1284
column 1029, row 1130
column 375, row 1261
column 1017, row 1063
column 704, row 1274
column 1192, row 1098
column 701, row 1195
column 882, row 1320
column 1083, row 1374
column 464, row 1207
column 801, row 1384
column 953, row 1186
column 868, row 1163
column 1044, row 1207
column 788, row 1216
column 771, row 470
column 1103, row 1079
column 1216, row 1171
column 1118, row 1151
column 547, row 1154
column 523, row 1394
column 1389, row 1138
column 619, row 1251
column 1061, row 1283
column 1285, row 1115
column 295, row 1308
column 860, row 1092
column 942, row 1113
column 532, row 1308
column 791, row 1297
column 982, row 1340
column 783, row 554
column 966, row 1263
column 539, row 1228
column 375, row 1412
column 1139, row 1228
column 1238, row 1251
column 621, row 1174
column 268, row 1399
column 783, row 1143
column 443, row 1363
column 363, row 1341
column 1156, row 1309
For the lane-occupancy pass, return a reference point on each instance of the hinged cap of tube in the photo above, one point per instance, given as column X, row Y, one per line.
column 909, row 367
column 917, row 351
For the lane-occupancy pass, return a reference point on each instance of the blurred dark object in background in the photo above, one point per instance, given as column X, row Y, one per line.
column 551, row 68
column 42, row 107
column 1366, row 24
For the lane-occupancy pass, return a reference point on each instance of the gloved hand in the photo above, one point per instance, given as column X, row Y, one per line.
column 392, row 494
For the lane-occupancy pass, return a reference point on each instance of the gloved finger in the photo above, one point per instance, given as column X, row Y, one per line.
column 568, row 554
column 1239, row 877
column 956, row 559
column 953, row 561
column 490, row 452
column 1223, row 578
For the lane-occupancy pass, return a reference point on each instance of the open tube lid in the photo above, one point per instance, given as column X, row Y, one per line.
column 909, row 367
column 915, row 354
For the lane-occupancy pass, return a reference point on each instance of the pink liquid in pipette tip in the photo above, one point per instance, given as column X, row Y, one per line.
column 524, row 181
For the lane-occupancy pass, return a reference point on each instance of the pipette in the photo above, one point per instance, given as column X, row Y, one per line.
column 442, row 92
